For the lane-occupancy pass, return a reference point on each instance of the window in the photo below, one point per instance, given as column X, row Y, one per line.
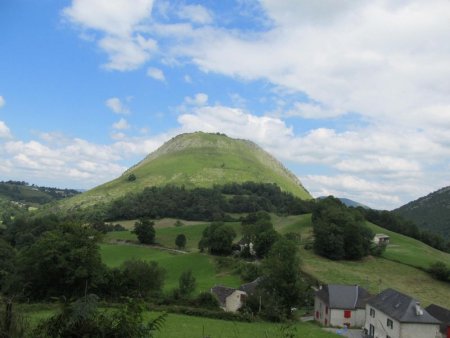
column 326, row 310
column 347, row 314
column 317, row 314
column 390, row 323
column 372, row 313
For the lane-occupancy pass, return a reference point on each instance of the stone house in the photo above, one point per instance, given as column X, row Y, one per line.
column 381, row 239
column 392, row 314
column 341, row 305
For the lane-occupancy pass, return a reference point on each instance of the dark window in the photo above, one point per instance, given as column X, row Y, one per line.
column 372, row 313
column 390, row 323
column 347, row 314
column 317, row 314
column 326, row 310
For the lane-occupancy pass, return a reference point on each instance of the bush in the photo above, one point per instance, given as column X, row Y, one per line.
column 206, row 300
column 440, row 271
column 131, row 178
column 180, row 241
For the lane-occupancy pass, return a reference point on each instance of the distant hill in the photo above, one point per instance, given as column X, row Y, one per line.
column 20, row 192
column 348, row 202
column 197, row 160
column 431, row 212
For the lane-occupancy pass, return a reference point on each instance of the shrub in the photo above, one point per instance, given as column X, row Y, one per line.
column 440, row 271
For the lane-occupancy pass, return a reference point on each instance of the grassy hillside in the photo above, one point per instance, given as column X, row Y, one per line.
column 399, row 268
column 197, row 160
column 431, row 212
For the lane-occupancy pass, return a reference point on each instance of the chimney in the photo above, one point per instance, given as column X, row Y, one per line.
column 419, row 311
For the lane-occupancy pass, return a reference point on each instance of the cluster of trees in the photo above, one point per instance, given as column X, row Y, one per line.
column 258, row 234
column 440, row 271
column 217, row 238
column 395, row 222
column 340, row 232
column 209, row 204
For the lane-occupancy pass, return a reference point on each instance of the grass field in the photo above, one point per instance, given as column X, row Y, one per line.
column 182, row 326
column 202, row 266
column 409, row 251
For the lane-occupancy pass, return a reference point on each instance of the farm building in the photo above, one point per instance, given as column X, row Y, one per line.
column 341, row 305
column 395, row 315
column 381, row 239
column 230, row 299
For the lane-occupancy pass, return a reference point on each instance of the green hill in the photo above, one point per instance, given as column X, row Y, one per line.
column 197, row 160
column 431, row 212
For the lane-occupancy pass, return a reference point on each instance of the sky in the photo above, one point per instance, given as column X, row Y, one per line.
column 352, row 96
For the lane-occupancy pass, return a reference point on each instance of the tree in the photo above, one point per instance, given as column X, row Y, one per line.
column 141, row 279
column 440, row 271
column 282, row 282
column 145, row 231
column 264, row 241
column 187, row 283
column 180, row 241
column 65, row 261
column 131, row 177
column 217, row 238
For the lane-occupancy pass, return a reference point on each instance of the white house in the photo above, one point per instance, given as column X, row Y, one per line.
column 392, row 314
column 341, row 305
column 230, row 299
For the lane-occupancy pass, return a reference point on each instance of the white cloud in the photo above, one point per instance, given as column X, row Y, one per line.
column 2, row 101
column 199, row 99
column 116, row 105
column 122, row 124
column 313, row 111
column 4, row 130
column 117, row 22
column 156, row 74
column 196, row 14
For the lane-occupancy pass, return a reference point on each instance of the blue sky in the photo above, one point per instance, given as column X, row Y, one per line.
column 353, row 97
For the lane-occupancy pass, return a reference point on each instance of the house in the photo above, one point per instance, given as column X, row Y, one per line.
column 341, row 305
column 381, row 239
column 392, row 314
column 443, row 315
column 231, row 299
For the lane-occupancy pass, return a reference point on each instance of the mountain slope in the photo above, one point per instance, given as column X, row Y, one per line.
column 197, row 160
column 431, row 212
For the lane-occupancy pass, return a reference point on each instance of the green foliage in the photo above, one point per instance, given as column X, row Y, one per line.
column 206, row 300
column 218, row 239
column 7, row 263
column 430, row 213
column 282, row 284
column 209, row 204
column 187, row 283
column 145, row 231
column 136, row 278
column 180, row 241
column 12, row 323
column 64, row 261
column 131, row 178
column 264, row 241
column 249, row 272
column 340, row 232
column 83, row 319
column 440, row 271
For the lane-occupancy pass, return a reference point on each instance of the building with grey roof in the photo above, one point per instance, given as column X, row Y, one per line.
column 341, row 305
column 443, row 315
column 392, row 314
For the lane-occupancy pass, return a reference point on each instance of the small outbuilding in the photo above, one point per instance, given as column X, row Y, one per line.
column 341, row 305
column 381, row 239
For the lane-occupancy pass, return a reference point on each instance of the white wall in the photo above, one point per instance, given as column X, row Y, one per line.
column 234, row 301
column 420, row 330
column 399, row 330
column 335, row 317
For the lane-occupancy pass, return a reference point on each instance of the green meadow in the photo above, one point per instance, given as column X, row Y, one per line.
column 202, row 265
